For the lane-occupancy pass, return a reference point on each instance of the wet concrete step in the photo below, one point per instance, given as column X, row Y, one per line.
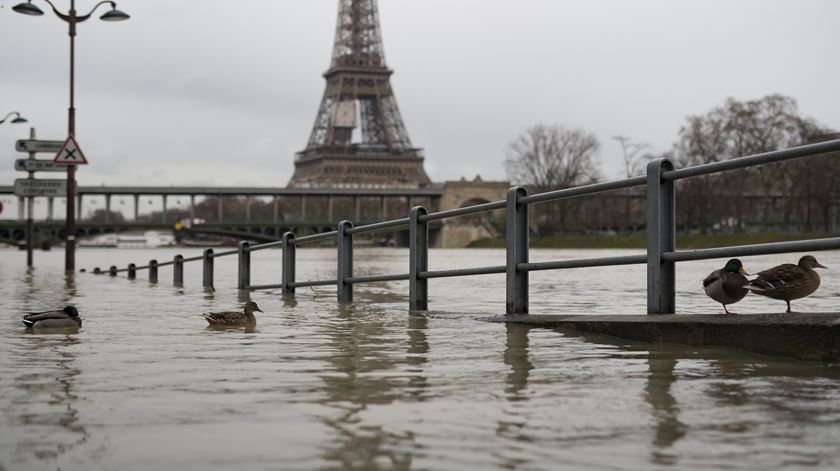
column 806, row 336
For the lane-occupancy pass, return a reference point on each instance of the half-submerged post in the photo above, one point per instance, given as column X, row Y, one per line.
column 661, row 237
column 418, row 259
column 132, row 271
column 207, row 273
column 288, row 273
column 113, row 270
column 244, row 272
column 516, row 298
column 153, row 271
column 345, row 262
column 178, row 270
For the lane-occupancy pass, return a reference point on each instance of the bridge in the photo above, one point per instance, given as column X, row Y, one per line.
column 300, row 210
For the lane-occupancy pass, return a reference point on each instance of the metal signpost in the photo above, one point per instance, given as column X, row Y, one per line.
column 30, row 187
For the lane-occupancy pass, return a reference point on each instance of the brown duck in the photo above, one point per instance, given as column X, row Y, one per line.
column 234, row 318
column 726, row 285
column 788, row 281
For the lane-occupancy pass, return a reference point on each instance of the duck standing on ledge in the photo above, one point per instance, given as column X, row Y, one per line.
column 726, row 285
column 788, row 281
column 67, row 317
column 234, row 318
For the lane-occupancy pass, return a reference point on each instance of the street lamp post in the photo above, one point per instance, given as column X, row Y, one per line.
column 16, row 120
column 71, row 18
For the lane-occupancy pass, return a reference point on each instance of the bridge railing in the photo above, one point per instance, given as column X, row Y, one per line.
column 661, row 255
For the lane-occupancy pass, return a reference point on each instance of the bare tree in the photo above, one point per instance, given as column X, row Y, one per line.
column 739, row 129
column 545, row 158
column 553, row 157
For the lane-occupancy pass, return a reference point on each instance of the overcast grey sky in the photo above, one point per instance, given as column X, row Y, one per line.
column 225, row 92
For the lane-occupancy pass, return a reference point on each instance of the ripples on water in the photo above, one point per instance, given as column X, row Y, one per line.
column 145, row 385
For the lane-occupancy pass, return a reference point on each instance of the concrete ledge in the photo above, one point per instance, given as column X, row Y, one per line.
column 806, row 336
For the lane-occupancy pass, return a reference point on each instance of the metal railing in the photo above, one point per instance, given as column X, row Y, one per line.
column 661, row 256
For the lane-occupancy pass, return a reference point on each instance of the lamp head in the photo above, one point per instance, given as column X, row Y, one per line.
column 19, row 119
column 28, row 9
column 114, row 15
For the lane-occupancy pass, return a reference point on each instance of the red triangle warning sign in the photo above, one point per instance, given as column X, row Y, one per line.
column 70, row 153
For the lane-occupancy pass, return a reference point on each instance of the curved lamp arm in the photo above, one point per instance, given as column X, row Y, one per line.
column 73, row 18
column 19, row 118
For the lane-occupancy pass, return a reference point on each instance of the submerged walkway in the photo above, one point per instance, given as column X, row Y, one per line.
column 806, row 336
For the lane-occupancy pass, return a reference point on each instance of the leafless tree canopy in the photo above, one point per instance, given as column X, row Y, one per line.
column 547, row 158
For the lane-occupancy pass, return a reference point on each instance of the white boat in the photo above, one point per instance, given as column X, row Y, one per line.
column 146, row 240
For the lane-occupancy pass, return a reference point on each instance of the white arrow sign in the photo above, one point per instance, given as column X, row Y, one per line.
column 30, row 187
column 70, row 153
column 32, row 165
column 32, row 145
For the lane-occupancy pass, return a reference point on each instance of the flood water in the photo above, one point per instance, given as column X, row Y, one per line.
column 144, row 384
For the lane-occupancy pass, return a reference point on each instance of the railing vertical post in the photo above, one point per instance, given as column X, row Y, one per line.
column 112, row 271
column 517, row 252
column 244, row 273
column 661, row 237
column 153, row 271
column 418, row 260
column 288, row 274
column 207, row 275
column 132, row 271
column 97, row 271
column 178, row 270
column 345, row 262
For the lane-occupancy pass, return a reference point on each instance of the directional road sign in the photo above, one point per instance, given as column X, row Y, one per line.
column 32, row 165
column 32, row 145
column 31, row 187
column 70, row 153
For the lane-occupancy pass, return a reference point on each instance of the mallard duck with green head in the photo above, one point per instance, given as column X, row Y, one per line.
column 726, row 285
column 788, row 281
column 67, row 317
column 234, row 318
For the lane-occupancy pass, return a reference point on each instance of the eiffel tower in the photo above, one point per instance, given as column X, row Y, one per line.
column 359, row 139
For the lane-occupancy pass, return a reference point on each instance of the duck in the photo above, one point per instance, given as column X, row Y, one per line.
column 234, row 318
column 788, row 281
column 726, row 285
column 67, row 317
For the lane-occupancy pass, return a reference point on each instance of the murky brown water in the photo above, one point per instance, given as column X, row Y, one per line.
column 145, row 385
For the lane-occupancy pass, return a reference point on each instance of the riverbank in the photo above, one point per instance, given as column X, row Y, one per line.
column 637, row 241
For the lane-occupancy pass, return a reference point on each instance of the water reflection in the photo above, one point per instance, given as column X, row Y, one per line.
column 668, row 428
column 366, row 373
column 47, row 397
column 517, row 357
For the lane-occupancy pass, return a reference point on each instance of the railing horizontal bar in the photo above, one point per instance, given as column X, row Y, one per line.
column 463, row 272
column 584, row 262
column 378, row 226
column 752, row 160
column 304, row 284
column 194, row 259
column 267, row 245
column 313, row 237
column 832, row 243
column 122, row 270
column 163, row 264
column 264, row 286
column 479, row 208
column 143, row 267
column 222, row 254
column 583, row 190
column 373, row 278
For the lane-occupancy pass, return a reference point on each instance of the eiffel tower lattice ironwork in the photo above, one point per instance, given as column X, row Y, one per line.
column 359, row 139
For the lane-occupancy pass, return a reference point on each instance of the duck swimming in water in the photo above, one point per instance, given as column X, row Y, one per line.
column 234, row 318
column 67, row 317
column 788, row 281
